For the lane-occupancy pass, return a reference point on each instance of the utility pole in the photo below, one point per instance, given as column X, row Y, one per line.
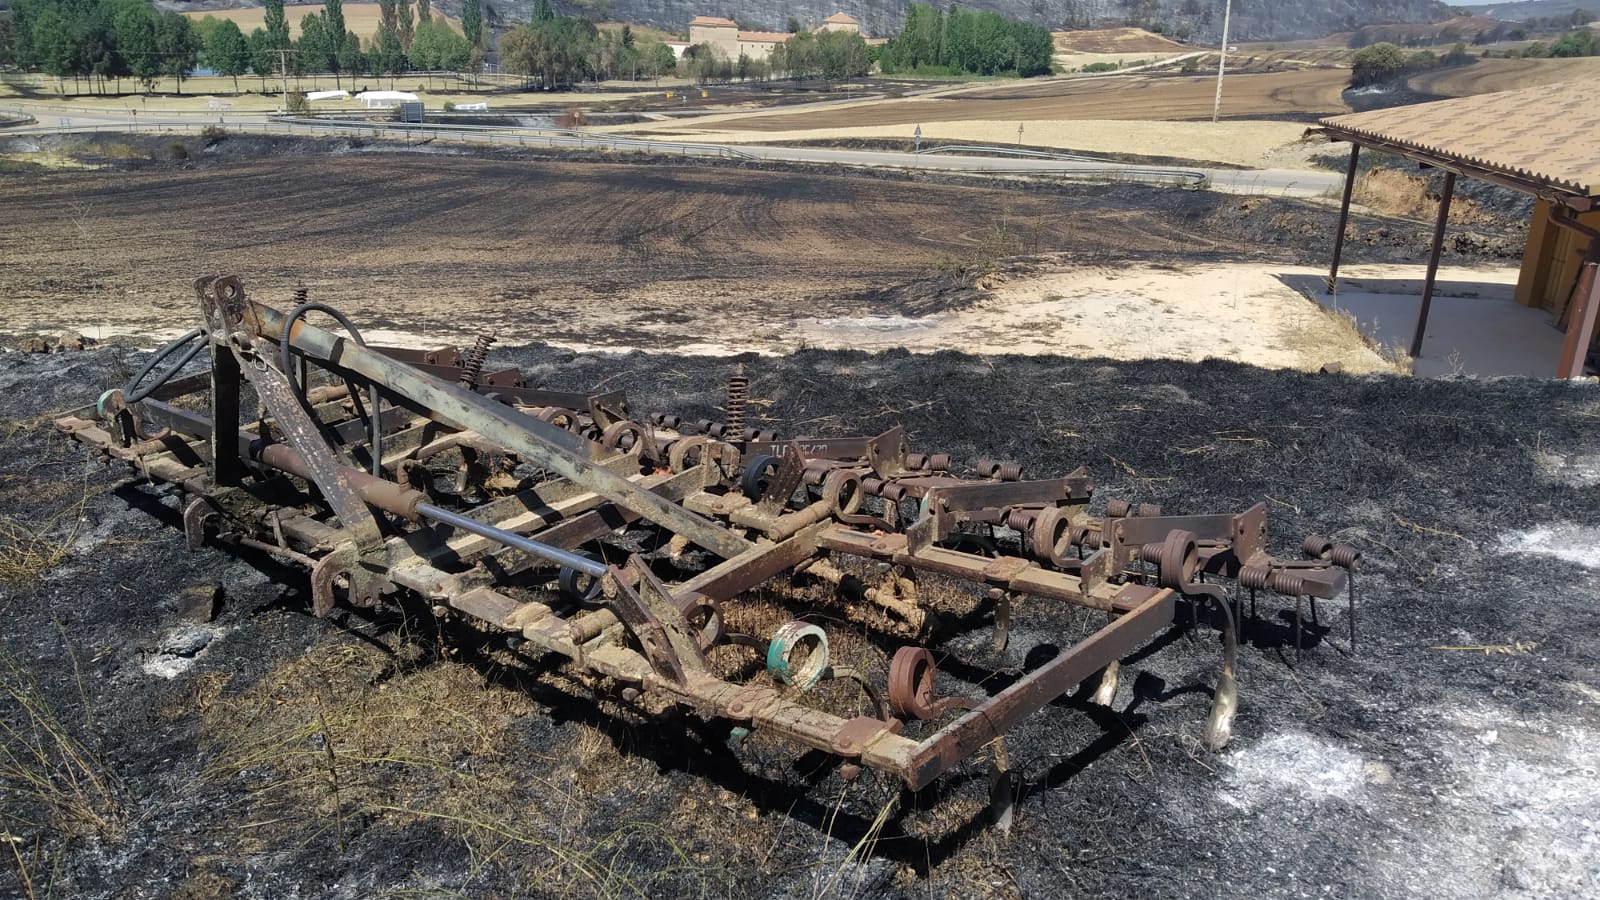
column 283, row 70
column 1222, row 59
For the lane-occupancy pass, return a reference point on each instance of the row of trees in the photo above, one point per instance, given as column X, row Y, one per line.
column 562, row 50
column 835, row 55
column 963, row 42
column 99, row 42
column 1583, row 41
column 1384, row 63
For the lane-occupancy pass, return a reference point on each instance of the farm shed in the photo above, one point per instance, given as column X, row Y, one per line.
column 1543, row 141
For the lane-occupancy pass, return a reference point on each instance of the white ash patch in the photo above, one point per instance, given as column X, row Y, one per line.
column 1572, row 543
column 1293, row 764
column 1514, row 813
column 1542, row 783
column 1581, row 470
column 179, row 648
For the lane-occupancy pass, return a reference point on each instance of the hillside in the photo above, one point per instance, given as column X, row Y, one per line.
column 1522, row 10
column 1201, row 21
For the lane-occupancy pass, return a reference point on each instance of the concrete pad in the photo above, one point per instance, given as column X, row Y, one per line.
column 1474, row 327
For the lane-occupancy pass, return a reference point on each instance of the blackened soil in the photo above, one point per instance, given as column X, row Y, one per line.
column 1404, row 769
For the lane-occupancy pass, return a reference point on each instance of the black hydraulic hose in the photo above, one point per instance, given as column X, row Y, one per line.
column 286, row 362
column 133, row 393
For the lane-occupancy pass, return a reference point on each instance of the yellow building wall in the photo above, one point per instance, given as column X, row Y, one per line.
column 1551, row 261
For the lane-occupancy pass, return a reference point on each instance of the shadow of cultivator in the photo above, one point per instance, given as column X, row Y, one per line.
column 622, row 544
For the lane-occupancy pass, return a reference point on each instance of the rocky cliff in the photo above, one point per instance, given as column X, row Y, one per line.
column 1199, row 20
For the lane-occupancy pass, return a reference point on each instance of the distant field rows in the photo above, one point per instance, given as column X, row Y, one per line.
column 361, row 18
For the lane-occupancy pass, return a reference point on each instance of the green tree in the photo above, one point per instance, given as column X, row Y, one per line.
column 1376, row 64
column 277, row 25
column 1578, row 42
column 542, row 12
column 655, row 58
column 408, row 26
column 178, row 46
column 311, row 50
column 387, row 57
column 455, row 54
column 333, row 41
column 51, row 40
column 841, row 54
column 135, row 24
column 793, row 26
column 472, row 22
column 425, row 47
column 262, row 61
column 8, row 49
column 226, row 50
column 351, row 60
column 424, row 11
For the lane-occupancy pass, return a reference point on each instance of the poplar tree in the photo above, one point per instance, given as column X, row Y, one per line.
column 472, row 22
column 277, row 25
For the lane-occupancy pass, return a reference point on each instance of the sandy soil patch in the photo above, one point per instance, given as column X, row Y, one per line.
column 1070, row 61
column 1114, row 40
column 1235, row 143
column 1304, row 95
column 1242, row 312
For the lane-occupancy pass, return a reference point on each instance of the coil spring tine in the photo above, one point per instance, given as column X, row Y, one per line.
column 738, row 397
column 472, row 361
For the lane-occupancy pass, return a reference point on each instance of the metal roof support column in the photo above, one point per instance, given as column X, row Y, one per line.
column 1433, row 262
column 1344, row 218
column 1580, row 321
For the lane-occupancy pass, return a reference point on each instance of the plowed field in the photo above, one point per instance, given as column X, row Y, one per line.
column 457, row 246
column 1488, row 75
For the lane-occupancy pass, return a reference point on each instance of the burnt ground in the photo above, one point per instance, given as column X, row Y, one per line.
column 598, row 250
column 390, row 755
column 397, row 755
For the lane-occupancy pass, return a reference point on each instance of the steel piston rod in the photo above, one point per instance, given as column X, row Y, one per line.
column 557, row 555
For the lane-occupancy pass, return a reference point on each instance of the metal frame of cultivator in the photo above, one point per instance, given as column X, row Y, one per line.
column 410, row 471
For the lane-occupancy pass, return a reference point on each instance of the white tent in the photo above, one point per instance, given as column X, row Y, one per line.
column 326, row 95
column 384, row 99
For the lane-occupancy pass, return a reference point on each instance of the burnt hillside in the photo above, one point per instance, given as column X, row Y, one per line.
column 1253, row 20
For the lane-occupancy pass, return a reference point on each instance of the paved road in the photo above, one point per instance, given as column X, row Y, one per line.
column 1276, row 182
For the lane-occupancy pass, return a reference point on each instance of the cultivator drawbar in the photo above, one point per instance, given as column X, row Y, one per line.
column 624, row 543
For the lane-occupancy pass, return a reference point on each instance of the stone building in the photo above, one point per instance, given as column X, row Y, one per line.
column 725, row 36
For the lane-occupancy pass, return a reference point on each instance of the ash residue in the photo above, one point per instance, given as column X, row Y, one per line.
column 1372, row 775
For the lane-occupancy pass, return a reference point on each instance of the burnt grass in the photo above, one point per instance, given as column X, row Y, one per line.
column 1351, row 774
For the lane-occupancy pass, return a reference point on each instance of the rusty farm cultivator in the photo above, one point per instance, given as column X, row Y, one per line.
column 623, row 543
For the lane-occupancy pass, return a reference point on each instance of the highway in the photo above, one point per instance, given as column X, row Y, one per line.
column 1274, row 182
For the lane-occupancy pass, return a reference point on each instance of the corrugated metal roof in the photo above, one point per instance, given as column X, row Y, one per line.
column 1547, row 135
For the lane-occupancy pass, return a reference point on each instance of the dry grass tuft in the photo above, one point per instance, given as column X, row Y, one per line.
column 51, row 779
column 338, row 740
column 28, row 549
